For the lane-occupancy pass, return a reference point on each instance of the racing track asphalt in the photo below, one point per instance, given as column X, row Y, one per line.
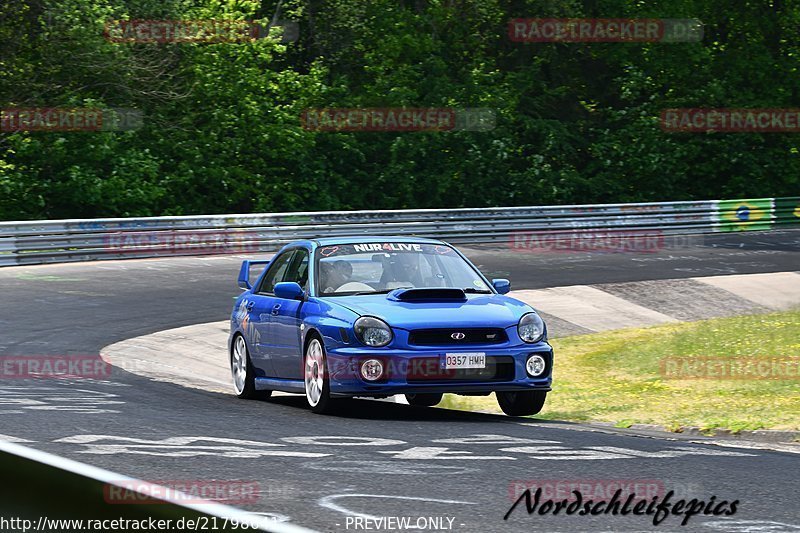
column 433, row 462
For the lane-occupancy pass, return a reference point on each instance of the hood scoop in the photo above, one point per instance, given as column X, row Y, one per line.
column 427, row 295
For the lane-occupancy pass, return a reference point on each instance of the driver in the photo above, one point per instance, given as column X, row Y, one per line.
column 406, row 269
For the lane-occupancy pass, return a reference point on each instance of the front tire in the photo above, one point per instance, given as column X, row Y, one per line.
column 521, row 403
column 317, row 384
column 244, row 381
column 424, row 400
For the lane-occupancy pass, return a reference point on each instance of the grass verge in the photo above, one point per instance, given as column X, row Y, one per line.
column 623, row 376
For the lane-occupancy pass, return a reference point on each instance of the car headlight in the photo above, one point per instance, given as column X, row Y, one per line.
column 531, row 328
column 373, row 331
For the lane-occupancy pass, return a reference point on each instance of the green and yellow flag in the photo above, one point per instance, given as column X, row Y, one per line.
column 744, row 215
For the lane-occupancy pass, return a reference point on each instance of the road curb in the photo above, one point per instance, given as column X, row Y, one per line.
column 757, row 435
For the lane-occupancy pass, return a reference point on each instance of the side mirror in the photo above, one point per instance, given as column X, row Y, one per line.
column 502, row 286
column 289, row 290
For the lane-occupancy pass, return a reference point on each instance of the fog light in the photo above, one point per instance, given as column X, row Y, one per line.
column 535, row 365
column 371, row 369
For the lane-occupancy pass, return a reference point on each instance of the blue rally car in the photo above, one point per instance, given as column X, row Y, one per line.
column 379, row 316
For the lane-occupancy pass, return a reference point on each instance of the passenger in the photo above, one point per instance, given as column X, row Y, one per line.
column 345, row 270
column 334, row 274
column 406, row 270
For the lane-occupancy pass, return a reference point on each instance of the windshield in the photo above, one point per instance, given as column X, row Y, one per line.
column 370, row 268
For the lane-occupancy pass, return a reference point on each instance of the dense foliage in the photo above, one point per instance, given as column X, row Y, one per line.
column 576, row 122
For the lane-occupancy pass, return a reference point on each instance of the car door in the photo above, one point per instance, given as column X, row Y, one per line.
column 285, row 322
column 260, row 311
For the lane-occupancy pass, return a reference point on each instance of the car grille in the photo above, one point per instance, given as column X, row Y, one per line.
column 428, row 369
column 444, row 336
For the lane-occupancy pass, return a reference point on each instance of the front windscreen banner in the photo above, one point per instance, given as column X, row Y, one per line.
column 384, row 247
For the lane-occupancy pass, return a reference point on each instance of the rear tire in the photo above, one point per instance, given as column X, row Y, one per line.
column 424, row 400
column 315, row 378
column 243, row 374
column 521, row 403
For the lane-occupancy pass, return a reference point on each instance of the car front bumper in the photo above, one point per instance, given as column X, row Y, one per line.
column 422, row 371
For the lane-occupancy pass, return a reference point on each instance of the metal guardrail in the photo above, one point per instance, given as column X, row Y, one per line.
column 51, row 493
column 50, row 241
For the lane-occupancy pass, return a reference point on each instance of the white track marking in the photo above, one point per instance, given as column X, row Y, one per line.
column 670, row 452
column 170, row 441
column 339, row 440
column 389, row 467
column 430, row 452
column 561, row 453
column 751, row 526
column 57, row 398
column 492, row 439
column 752, row 445
column 183, row 447
column 9, row 438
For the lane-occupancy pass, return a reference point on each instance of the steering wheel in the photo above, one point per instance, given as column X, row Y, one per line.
column 356, row 286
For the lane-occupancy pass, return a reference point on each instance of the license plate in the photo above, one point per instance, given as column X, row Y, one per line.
column 455, row 361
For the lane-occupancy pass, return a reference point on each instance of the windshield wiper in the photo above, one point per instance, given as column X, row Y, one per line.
column 473, row 290
column 383, row 291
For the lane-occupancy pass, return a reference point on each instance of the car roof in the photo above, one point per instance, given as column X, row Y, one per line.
column 327, row 241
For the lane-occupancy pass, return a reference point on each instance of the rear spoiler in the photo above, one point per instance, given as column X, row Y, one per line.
column 244, row 273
